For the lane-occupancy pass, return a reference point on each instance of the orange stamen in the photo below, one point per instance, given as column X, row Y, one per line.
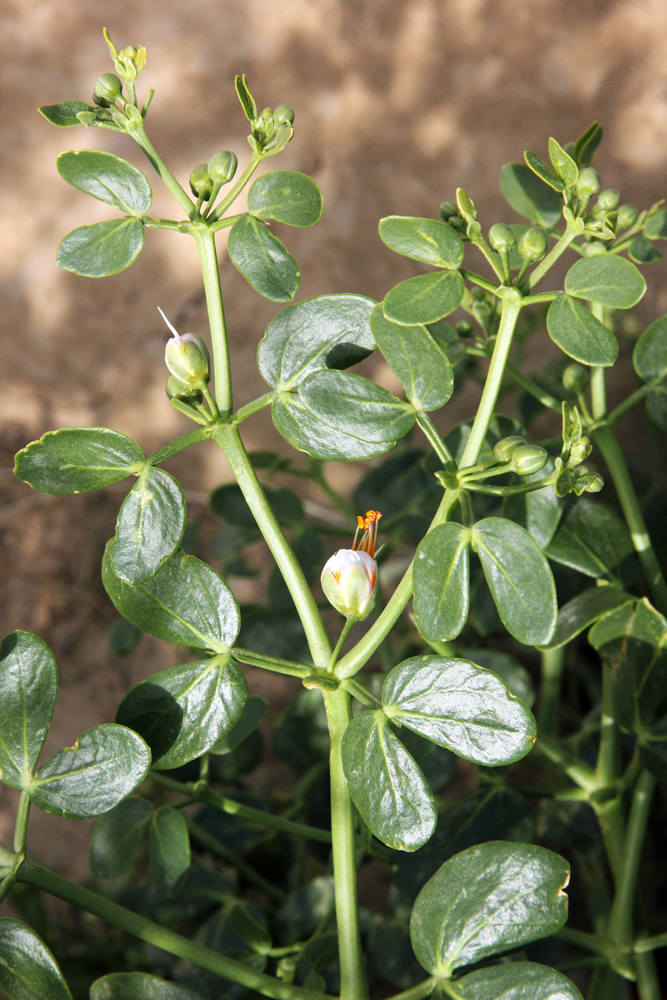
column 370, row 528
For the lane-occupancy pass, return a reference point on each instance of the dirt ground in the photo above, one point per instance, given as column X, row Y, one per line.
column 396, row 105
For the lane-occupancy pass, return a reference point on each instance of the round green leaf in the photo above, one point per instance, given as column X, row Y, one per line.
column 414, row 357
column 263, row 260
column 77, row 460
column 579, row 334
column 331, row 331
column 168, row 852
column 187, row 602
column 251, row 716
column 486, row 900
column 424, row 299
column 141, row 986
column 441, row 582
column 150, row 526
column 182, row 712
column 428, row 240
column 530, row 196
column 287, row 196
column 386, row 786
column 656, row 226
column 519, row 579
column 516, row 677
column 28, row 970
column 516, row 981
column 606, row 279
column 64, row 114
column 650, row 354
column 117, row 837
column 101, row 249
column 460, row 706
column 105, row 765
column 107, row 178
column 29, row 684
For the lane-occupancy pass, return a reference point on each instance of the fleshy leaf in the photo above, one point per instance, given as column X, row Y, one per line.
column 287, row 196
column 441, row 581
column 28, row 970
column 77, row 460
column 150, row 526
column 29, row 684
column 579, row 334
column 64, row 115
column 117, row 837
column 415, row 358
column 530, row 196
column 606, row 279
column 424, row 299
column 263, row 260
column 169, row 852
column 107, row 178
column 101, row 249
column 516, row 981
column 427, row 240
column 142, row 986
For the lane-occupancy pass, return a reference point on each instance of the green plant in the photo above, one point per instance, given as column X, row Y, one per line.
column 469, row 886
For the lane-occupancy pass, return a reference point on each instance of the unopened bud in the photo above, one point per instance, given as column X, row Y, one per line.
column 283, row 113
column 505, row 448
column 266, row 115
column 448, row 210
column 107, row 90
column 627, row 216
column 588, row 182
column 501, row 237
column 176, row 389
column 533, row 244
column 349, row 577
column 201, row 183
column 222, row 166
column 608, row 199
column 529, row 458
column 580, row 451
column 187, row 358
column 576, row 378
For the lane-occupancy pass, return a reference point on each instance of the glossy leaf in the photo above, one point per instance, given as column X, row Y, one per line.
column 287, row 196
column 182, row 712
column 584, row 610
column 530, row 196
column 105, row 764
column 77, row 460
column 150, row 526
column 606, row 279
column 101, row 249
column 29, row 684
column 64, row 114
column 486, row 900
column 579, row 334
column 441, row 582
column 509, row 670
column 650, row 354
column 427, row 240
column 227, row 501
column 117, row 837
column 28, row 970
column 263, row 260
column 460, row 706
column 253, row 712
column 142, row 986
column 187, row 602
column 107, row 178
column 169, row 852
column 544, row 172
column 516, row 981
column 563, row 163
column 519, row 579
column 538, row 512
column 331, row 331
column 591, row 539
column 386, row 785
column 424, row 299
column 414, row 357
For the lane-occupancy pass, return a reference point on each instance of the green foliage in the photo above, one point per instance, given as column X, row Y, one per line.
column 117, row 837
column 28, row 970
column 141, row 986
column 263, row 260
column 607, row 280
column 441, row 582
column 424, row 299
column 77, row 460
column 416, row 359
column 528, row 195
column 64, row 115
column 107, row 178
column 427, row 240
column 150, row 526
column 169, row 852
column 287, row 196
column 101, row 249
column 516, row 981
column 579, row 334
column 29, row 681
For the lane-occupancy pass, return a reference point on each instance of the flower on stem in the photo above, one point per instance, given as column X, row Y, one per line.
column 349, row 577
column 187, row 358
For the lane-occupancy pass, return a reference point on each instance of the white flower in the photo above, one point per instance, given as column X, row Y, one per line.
column 349, row 577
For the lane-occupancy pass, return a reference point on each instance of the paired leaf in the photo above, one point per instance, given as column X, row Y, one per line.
column 563, row 163
column 461, row 706
column 387, row 787
column 486, row 900
column 656, row 226
column 117, row 837
column 424, row 299
column 428, row 240
column 169, row 852
column 187, row 602
column 642, row 251
column 516, row 981
column 415, row 358
column 606, row 279
column 143, row 986
column 331, row 331
column 441, row 582
column 650, row 354
column 101, row 249
column 591, row 539
column 150, row 526
column 29, row 684
column 287, row 196
column 107, row 178
column 530, row 196
column 263, row 260
column 544, row 172
column 579, row 334
column 519, row 579
column 64, row 115
column 105, row 765
column 28, row 970
column 182, row 712
column 77, row 460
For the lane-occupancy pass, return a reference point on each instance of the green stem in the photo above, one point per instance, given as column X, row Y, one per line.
column 598, row 393
column 620, row 924
column 527, row 383
column 345, row 631
column 228, row 439
column 648, row 983
column 353, row 985
column 631, row 401
column 644, row 945
column 21, row 827
column 584, row 940
column 182, row 407
column 552, row 672
column 434, row 439
column 138, row 133
column 608, row 762
column 273, row 663
column 205, row 240
column 418, row 992
column 533, row 300
column 194, row 437
column 253, row 407
column 579, row 773
column 477, row 279
column 607, row 985
column 231, row 196
column 551, row 258
column 160, row 937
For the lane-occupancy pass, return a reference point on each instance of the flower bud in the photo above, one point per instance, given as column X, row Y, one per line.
column 266, row 115
column 107, row 90
column 283, row 113
column 529, row 458
column 505, row 448
column 186, row 357
column 533, row 244
column 588, row 182
column 576, row 378
column 579, row 451
column 627, row 216
column 608, row 199
column 201, row 184
column 448, row 210
column 349, row 577
column 222, row 166
column 175, row 389
column 501, row 237
column 129, row 52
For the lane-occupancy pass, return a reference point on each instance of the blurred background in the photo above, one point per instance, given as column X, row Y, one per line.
column 396, row 105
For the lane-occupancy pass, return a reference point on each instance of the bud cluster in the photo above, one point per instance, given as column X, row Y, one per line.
column 271, row 128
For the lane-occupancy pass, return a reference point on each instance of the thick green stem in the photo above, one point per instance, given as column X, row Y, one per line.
column 273, row 663
column 620, row 925
column 552, row 672
column 418, row 992
column 608, row 985
column 160, row 937
column 216, row 317
column 139, row 135
column 194, row 437
column 434, row 439
column 648, row 982
column 253, row 407
column 353, row 985
column 228, row 438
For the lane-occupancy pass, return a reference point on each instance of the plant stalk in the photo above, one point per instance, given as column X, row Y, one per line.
column 205, row 240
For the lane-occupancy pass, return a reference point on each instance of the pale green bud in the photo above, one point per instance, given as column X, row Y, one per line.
column 222, row 166
column 201, row 184
column 608, row 199
column 187, row 358
column 501, row 237
column 528, row 459
column 576, row 378
column 588, row 182
column 107, row 90
column 533, row 244
column 505, row 448
column 349, row 580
